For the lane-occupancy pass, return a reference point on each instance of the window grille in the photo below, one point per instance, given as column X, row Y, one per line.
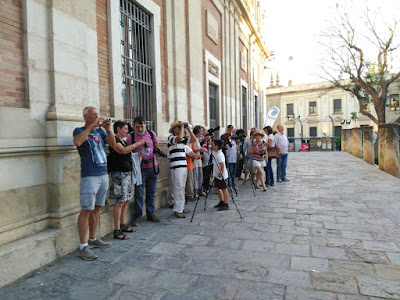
column 244, row 108
column 290, row 132
column 212, row 95
column 313, row 131
column 137, row 70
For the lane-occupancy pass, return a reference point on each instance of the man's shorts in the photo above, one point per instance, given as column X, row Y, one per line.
column 220, row 184
column 121, row 186
column 94, row 190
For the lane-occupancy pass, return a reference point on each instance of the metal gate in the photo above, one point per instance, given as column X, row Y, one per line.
column 137, row 77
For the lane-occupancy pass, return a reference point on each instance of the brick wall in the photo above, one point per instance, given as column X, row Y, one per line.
column 11, row 54
column 102, row 51
column 210, row 46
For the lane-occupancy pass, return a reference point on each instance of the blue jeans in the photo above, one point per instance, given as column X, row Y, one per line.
column 232, row 174
column 149, row 180
column 281, row 166
column 269, row 173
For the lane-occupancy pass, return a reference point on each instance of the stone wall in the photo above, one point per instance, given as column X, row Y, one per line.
column 389, row 160
column 368, row 145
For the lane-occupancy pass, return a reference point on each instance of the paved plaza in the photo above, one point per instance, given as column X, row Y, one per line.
column 332, row 232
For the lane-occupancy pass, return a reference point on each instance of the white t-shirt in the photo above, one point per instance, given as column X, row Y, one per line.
column 271, row 137
column 218, row 159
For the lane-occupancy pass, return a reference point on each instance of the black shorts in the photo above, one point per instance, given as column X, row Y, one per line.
column 220, row 184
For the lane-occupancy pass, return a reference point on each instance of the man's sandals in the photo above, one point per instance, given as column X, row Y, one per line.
column 119, row 234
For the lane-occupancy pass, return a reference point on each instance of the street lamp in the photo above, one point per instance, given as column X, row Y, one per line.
column 301, row 121
column 333, row 122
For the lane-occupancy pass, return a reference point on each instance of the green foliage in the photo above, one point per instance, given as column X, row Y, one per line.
column 338, row 142
column 354, row 116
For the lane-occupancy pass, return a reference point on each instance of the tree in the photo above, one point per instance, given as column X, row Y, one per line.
column 351, row 66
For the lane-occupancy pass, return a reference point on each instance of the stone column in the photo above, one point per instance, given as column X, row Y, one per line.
column 346, row 140
column 356, row 142
column 368, row 145
column 389, row 149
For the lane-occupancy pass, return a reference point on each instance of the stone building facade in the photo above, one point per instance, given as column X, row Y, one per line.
column 324, row 113
column 199, row 61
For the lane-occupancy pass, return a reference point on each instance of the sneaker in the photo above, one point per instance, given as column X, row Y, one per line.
column 186, row 210
column 279, row 180
column 271, row 184
column 153, row 218
column 98, row 243
column 221, row 203
column 196, row 196
column 87, row 254
column 285, row 179
column 179, row 215
column 203, row 194
column 224, row 207
column 135, row 222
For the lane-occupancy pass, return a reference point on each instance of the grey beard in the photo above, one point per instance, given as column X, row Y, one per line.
column 140, row 132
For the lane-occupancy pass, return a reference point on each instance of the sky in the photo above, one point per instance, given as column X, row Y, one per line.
column 293, row 28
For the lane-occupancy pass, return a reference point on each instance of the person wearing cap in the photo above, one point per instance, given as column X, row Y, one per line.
column 177, row 150
column 259, row 151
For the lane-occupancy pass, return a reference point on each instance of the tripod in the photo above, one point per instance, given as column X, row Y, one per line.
column 247, row 163
column 210, row 186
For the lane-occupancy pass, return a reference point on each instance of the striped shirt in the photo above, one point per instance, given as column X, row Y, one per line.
column 176, row 152
column 259, row 154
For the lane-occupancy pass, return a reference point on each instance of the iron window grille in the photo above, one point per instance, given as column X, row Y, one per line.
column 137, row 70
column 313, row 108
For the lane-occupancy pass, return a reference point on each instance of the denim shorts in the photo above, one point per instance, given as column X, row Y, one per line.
column 94, row 190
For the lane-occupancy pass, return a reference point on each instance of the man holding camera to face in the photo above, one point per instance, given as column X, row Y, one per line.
column 177, row 150
column 149, row 170
column 89, row 141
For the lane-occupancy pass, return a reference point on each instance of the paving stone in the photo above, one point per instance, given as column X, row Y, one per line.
column 138, row 275
column 171, row 281
column 293, row 249
column 388, row 289
column 309, row 240
column 334, row 283
column 381, row 246
column 167, row 248
column 269, row 260
column 343, row 243
column 367, row 256
column 293, row 293
column 394, row 257
column 289, row 278
column 259, row 290
column 258, row 246
column 191, row 239
column 277, row 237
column 351, row 268
column 206, row 287
column 309, row 264
column 388, row 271
column 226, row 243
column 326, row 252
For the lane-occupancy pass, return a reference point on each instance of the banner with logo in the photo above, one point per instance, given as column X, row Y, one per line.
column 270, row 118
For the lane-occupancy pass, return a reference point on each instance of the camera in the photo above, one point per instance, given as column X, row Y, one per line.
column 109, row 120
column 186, row 125
column 159, row 152
column 212, row 130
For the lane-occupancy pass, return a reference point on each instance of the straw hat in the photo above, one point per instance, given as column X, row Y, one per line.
column 259, row 132
column 173, row 125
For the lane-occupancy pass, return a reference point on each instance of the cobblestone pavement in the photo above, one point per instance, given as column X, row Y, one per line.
column 332, row 232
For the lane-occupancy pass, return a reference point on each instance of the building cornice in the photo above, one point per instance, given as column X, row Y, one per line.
column 249, row 20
